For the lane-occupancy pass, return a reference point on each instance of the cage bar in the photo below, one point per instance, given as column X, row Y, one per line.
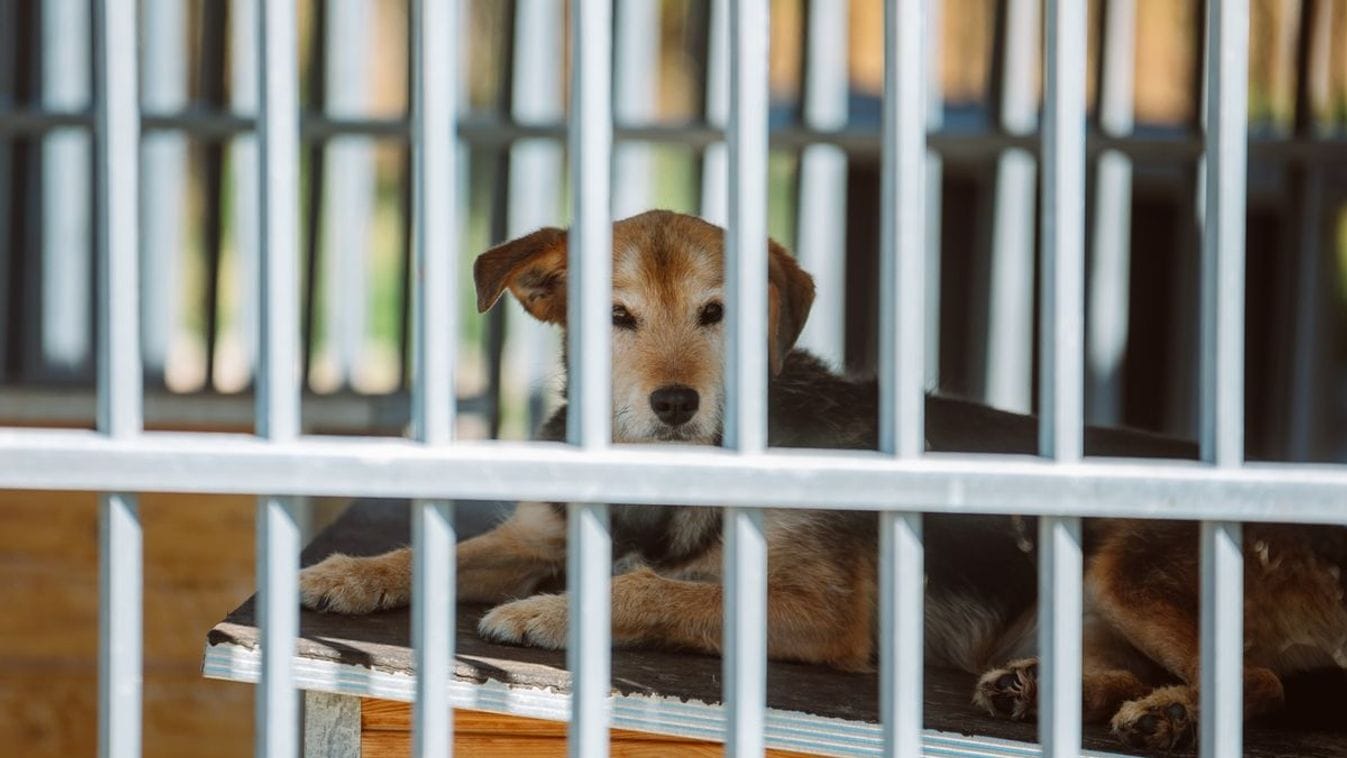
column 902, row 361
column 1061, row 372
column 589, row 304
column 116, row 145
column 745, row 647
column 1221, row 421
column 278, row 538
column 435, row 328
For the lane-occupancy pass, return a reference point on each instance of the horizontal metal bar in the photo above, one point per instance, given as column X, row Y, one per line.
column 676, row 475
column 35, row 406
column 954, row 145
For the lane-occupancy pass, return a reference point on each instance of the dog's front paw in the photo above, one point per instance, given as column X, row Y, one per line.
column 1166, row 719
column 1011, row 691
column 343, row 584
column 539, row 621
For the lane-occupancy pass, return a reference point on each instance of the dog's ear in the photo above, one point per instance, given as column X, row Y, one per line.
column 790, row 293
column 533, row 267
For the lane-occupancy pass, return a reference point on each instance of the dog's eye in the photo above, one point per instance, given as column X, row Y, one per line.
column 711, row 313
column 622, row 318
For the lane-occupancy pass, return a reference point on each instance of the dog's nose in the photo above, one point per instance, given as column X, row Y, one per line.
column 674, row 404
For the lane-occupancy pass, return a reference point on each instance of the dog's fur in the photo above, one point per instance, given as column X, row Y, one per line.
column 1141, row 624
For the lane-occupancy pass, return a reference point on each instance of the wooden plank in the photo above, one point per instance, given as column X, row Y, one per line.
column 198, row 560
column 386, row 725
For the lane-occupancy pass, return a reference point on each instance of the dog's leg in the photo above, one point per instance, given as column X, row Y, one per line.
column 649, row 609
column 1160, row 621
column 506, row 562
column 1110, row 677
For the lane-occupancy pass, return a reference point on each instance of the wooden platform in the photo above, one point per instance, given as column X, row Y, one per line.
column 811, row 709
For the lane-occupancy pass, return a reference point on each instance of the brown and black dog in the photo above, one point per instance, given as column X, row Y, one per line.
column 1141, row 627
column 1141, row 635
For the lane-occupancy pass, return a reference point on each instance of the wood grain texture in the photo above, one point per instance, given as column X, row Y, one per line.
column 386, row 731
column 198, row 562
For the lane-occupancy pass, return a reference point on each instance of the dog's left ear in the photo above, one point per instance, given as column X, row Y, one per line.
column 790, row 293
column 533, row 267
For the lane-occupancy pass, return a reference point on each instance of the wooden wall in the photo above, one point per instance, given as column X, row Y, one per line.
column 198, row 566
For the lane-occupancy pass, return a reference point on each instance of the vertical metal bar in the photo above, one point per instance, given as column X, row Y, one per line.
column 589, row 546
column 66, row 212
column 1222, row 368
column 350, row 178
column 435, row 330
column 902, row 359
column 1008, row 368
column 715, row 171
column 823, row 179
column 116, row 145
column 1111, row 247
column 935, row 118
column 535, row 184
column 278, row 372
column 635, row 83
column 164, row 170
column 746, row 373
column 244, row 81
column 1061, row 373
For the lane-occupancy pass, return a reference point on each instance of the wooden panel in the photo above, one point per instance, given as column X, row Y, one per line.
column 198, row 563
column 386, row 731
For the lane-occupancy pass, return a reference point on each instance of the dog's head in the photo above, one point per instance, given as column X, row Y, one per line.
column 668, row 302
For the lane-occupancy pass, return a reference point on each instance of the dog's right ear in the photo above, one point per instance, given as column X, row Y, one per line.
column 533, row 267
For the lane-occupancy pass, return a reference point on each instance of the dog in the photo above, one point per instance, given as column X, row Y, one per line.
column 667, row 374
column 1141, row 631
column 668, row 386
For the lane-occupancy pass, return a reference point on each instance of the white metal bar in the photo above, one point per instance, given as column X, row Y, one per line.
column 117, row 142
column 66, row 213
column 278, row 536
column 902, row 585
column 715, row 170
column 589, row 303
column 746, row 235
column 349, row 188
column 635, row 86
column 823, row 179
column 1061, row 374
column 164, row 178
column 1221, row 423
column 947, row 483
column 745, row 647
column 535, row 186
column 1221, row 690
column 1008, row 367
column 433, row 610
column 435, row 329
column 1112, row 235
column 238, row 341
column 589, row 579
column 902, row 373
column 935, row 118
column 1059, row 635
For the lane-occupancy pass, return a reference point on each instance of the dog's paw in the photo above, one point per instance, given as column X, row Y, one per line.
column 344, row 584
column 538, row 621
column 1166, row 719
column 1011, row 691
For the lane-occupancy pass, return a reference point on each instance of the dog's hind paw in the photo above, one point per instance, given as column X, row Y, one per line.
column 1011, row 691
column 1166, row 719
column 349, row 585
column 538, row 621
